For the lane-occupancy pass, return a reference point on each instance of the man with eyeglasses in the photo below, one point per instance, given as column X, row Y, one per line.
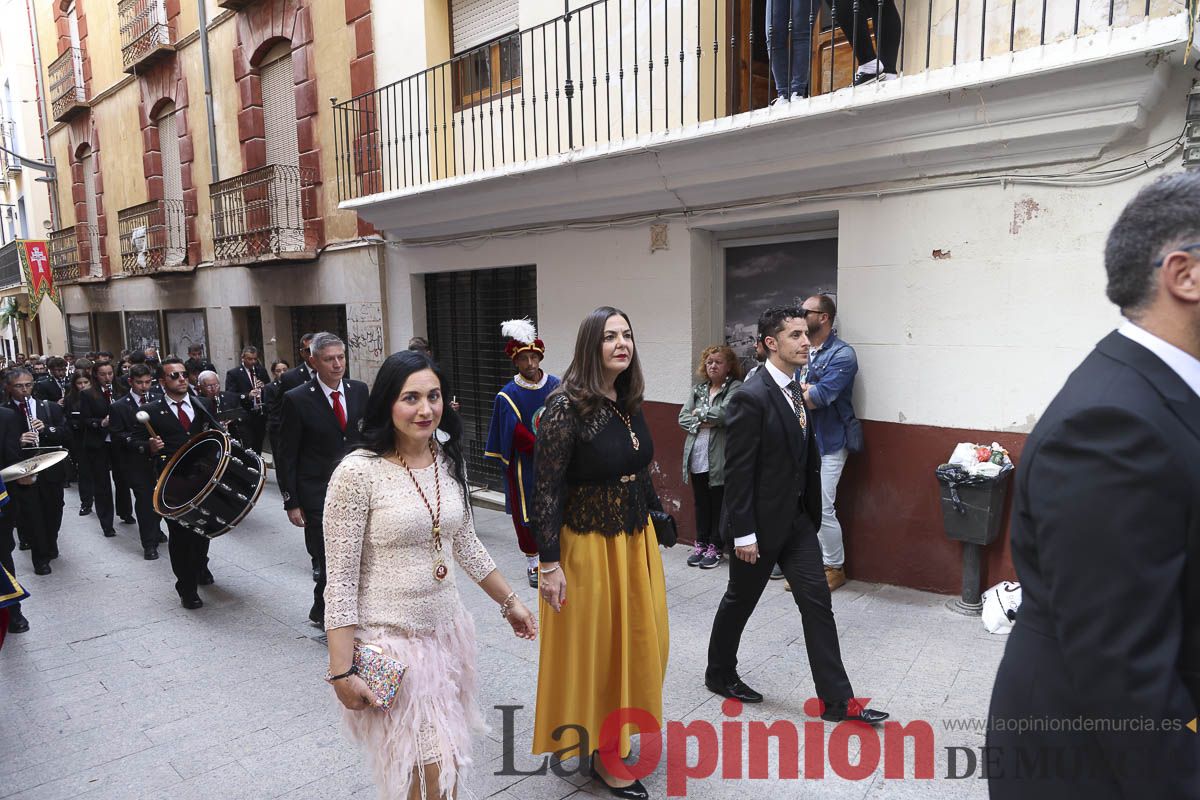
column 1106, row 539
column 40, row 506
column 175, row 418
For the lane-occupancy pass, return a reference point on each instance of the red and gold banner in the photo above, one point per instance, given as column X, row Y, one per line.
column 35, row 267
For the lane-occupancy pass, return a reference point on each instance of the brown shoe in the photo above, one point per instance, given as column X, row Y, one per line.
column 835, row 577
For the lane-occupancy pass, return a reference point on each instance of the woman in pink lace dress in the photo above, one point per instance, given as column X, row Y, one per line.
column 398, row 527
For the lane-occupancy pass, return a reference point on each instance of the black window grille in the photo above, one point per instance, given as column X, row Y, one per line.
column 463, row 312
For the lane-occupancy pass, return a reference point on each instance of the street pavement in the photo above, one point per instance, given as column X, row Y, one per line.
column 118, row 692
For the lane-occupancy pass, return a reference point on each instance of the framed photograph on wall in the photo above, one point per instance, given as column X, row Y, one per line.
column 184, row 329
column 79, row 333
column 142, row 330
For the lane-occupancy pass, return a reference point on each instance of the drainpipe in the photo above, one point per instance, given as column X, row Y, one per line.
column 208, row 92
column 44, row 117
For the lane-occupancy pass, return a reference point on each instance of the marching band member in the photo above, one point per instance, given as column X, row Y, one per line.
column 11, row 426
column 248, row 381
column 133, row 459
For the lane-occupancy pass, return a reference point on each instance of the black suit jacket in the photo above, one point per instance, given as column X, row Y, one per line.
column 131, row 451
column 86, row 419
column 48, row 389
column 296, row 376
column 311, row 444
column 165, row 422
column 1106, row 543
column 12, row 425
column 237, row 381
column 770, row 466
column 57, row 433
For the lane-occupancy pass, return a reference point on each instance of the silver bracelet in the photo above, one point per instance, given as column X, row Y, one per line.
column 548, row 571
column 506, row 606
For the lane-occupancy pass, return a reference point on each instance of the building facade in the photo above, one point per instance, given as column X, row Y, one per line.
column 29, row 323
column 526, row 158
column 194, row 145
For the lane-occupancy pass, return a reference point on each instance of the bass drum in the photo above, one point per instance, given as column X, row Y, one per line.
column 210, row 484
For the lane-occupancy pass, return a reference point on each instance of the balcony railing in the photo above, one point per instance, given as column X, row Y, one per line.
column 8, row 138
column 153, row 236
column 260, row 215
column 10, row 266
column 615, row 70
column 75, row 254
column 67, row 92
column 145, row 35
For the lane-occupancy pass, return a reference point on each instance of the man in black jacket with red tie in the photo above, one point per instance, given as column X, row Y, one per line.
column 176, row 418
column 247, row 381
column 773, row 500
column 11, row 427
column 318, row 425
column 1104, row 658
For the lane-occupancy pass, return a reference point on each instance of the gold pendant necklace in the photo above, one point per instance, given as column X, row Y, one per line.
column 440, row 571
column 628, row 424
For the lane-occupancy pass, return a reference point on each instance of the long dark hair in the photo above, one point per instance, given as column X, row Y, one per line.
column 74, row 393
column 378, row 433
column 583, row 382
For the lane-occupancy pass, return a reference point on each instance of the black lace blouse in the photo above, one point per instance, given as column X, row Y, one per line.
column 589, row 476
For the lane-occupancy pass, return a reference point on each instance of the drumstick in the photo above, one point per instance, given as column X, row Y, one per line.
column 144, row 418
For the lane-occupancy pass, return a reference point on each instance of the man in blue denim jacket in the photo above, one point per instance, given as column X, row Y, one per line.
column 828, row 392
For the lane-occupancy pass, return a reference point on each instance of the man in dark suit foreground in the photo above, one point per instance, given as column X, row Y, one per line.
column 1103, row 664
column 318, row 425
column 773, row 499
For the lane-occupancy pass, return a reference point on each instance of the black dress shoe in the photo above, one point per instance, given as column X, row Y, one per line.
column 41, row 569
column 23, row 546
column 85, row 510
column 634, row 791
column 734, row 689
column 150, row 553
column 128, row 521
column 317, row 617
column 853, row 712
column 17, row 622
column 109, row 533
column 191, row 603
column 205, row 578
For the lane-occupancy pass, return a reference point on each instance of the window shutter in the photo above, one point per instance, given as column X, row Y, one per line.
column 172, row 171
column 279, row 112
column 479, row 21
column 88, row 163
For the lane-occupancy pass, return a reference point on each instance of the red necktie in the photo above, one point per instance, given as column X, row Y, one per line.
column 338, row 411
column 183, row 418
column 108, row 395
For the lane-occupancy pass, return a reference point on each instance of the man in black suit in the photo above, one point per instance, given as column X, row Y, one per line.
column 196, row 362
column 318, row 425
column 773, row 500
column 11, row 427
column 296, row 376
column 90, row 421
column 176, row 418
column 53, row 387
column 122, row 502
column 132, row 456
column 229, row 406
column 40, row 506
column 1106, row 540
column 247, row 381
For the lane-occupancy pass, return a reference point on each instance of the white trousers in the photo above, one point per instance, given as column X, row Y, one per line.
column 830, row 534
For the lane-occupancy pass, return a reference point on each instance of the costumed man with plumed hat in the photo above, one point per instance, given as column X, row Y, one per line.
column 513, row 430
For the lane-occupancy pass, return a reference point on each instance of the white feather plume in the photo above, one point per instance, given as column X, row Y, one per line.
column 520, row 329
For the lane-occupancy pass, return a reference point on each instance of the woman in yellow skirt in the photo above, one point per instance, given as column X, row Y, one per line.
column 603, row 599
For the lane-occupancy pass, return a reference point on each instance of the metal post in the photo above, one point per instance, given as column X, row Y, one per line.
column 569, row 86
column 971, row 602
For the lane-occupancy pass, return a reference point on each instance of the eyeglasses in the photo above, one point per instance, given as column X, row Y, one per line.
column 175, row 375
column 807, row 311
column 1183, row 248
column 23, row 385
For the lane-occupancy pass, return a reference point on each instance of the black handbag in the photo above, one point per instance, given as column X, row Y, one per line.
column 664, row 526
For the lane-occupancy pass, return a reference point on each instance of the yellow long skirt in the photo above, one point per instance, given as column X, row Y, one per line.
column 607, row 649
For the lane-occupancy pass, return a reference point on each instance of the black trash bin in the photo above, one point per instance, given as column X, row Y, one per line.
column 972, row 507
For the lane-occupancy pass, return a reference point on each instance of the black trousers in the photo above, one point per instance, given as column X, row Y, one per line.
column 97, row 462
column 887, row 23
column 799, row 556
column 314, row 542
column 122, row 497
column 708, row 500
column 189, row 556
column 148, row 519
column 83, row 473
column 39, row 517
column 254, row 430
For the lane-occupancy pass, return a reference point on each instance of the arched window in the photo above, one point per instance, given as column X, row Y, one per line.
column 91, row 260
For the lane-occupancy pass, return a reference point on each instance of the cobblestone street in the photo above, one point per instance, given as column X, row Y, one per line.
column 118, row 692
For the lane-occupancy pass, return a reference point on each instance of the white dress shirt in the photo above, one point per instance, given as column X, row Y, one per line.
column 1182, row 363
column 341, row 387
column 186, row 403
column 782, row 379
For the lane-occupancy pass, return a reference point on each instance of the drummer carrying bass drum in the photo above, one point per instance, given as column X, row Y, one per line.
column 176, row 418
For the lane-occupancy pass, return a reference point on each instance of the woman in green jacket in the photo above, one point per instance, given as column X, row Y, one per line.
column 703, row 418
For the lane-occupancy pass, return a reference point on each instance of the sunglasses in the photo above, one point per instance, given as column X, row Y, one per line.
column 175, row 375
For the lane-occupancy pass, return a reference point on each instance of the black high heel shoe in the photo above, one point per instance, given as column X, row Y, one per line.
column 634, row 791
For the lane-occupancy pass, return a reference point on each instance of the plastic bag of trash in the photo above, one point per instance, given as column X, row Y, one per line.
column 1000, row 604
column 964, row 455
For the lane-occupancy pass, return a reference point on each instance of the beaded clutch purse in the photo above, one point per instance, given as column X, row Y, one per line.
column 381, row 673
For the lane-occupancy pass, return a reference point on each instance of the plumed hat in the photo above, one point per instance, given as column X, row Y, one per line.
column 522, row 336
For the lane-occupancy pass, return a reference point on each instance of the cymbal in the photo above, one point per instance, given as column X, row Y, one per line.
column 32, row 465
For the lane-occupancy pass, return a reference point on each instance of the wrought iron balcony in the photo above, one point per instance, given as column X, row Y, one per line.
column 145, row 35
column 67, row 92
column 260, row 215
column 154, row 236
column 614, row 70
column 75, row 254
column 10, row 266
column 9, row 163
